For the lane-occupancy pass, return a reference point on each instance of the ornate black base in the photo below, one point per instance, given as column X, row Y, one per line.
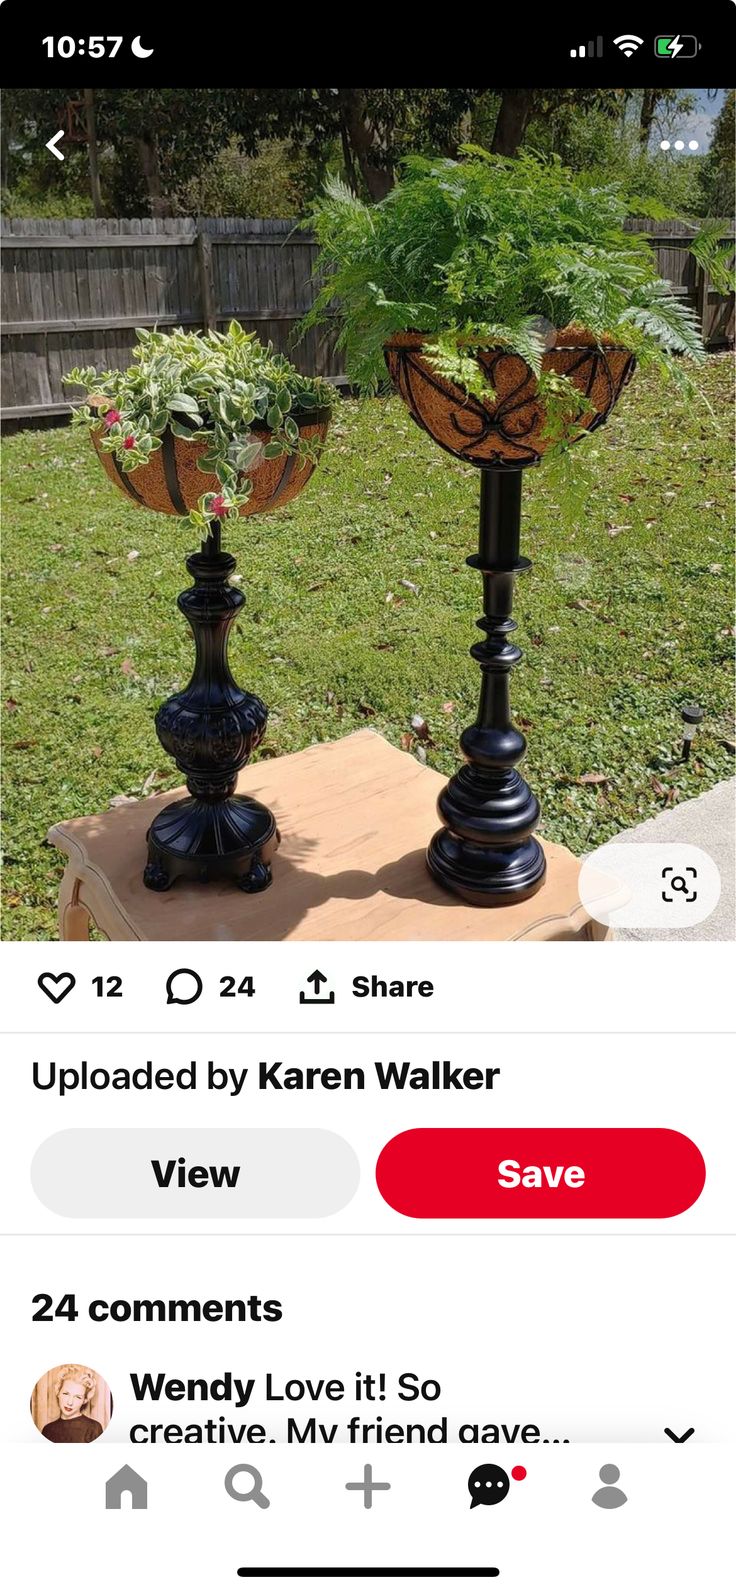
column 486, row 853
column 205, row 841
column 210, row 729
column 486, row 876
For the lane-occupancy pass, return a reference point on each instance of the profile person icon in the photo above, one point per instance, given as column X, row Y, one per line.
column 74, row 1390
column 609, row 1496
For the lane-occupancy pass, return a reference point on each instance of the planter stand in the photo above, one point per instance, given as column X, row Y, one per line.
column 486, row 852
column 210, row 729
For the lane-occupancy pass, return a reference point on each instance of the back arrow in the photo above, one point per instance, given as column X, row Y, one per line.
column 669, row 1433
column 53, row 142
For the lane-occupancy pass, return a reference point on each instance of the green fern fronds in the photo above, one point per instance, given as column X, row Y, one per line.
column 457, row 365
column 474, row 252
column 665, row 320
column 714, row 256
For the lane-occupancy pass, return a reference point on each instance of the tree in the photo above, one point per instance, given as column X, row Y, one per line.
column 370, row 129
column 718, row 171
column 502, row 119
column 162, row 136
column 149, row 142
column 38, row 184
column 604, row 141
column 93, row 150
column 512, row 120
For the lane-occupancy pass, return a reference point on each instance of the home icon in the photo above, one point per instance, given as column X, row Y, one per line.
column 126, row 1481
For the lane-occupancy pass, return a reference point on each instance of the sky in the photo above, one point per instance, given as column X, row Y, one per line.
column 699, row 124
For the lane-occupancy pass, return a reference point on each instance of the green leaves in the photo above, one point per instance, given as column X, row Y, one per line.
column 243, row 454
column 473, row 252
column 183, row 403
column 715, row 255
column 665, row 321
column 211, row 388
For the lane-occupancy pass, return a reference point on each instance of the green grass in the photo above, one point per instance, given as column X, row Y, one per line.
column 621, row 620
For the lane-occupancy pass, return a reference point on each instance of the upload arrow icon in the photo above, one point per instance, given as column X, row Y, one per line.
column 316, row 979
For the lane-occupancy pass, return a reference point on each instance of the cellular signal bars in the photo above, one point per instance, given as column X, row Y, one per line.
column 595, row 47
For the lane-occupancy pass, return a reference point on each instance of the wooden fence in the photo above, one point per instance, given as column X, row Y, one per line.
column 73, row 293
column 715, row 311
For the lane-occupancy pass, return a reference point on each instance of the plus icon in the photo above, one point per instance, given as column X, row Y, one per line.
column 367, row 1486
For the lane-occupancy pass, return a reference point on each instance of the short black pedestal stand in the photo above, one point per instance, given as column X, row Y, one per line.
column 210, row 729
column 486, row 852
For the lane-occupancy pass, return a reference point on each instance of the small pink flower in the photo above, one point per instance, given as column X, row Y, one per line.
column 112, row 417
column 129, row 442
column 218, row 506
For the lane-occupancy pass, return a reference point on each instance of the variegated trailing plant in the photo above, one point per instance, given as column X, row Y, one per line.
column 210, row 387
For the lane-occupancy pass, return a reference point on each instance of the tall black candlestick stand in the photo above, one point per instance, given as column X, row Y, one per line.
column 210, row 729
column 486, row 851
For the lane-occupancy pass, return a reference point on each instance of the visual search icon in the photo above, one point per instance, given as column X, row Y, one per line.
column 489, row 1484
column 677, row 882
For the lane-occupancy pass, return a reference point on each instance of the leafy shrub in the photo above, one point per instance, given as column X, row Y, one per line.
column 594, row 142
column 210, row 387
column 273, row 182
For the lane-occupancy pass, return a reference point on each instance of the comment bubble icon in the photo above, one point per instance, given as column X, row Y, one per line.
column 183, row 987
column 487, row 1484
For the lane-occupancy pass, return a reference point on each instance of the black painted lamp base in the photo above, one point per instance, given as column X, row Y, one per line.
column 483, row 875
column 206, row 841
column 211, row 729
column 486, row 852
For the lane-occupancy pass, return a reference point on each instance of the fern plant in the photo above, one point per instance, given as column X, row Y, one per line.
column 483, row 252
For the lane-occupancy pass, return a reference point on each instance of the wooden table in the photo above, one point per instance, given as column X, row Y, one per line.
column 355, row 817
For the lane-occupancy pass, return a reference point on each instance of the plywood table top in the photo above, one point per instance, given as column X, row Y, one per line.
column 355, row 817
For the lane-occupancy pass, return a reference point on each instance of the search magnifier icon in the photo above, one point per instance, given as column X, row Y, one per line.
column 255, row 1494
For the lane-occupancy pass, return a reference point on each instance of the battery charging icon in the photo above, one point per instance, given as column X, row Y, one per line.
column 672, row 45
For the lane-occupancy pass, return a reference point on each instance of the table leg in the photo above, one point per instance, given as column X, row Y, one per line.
column 74, row 919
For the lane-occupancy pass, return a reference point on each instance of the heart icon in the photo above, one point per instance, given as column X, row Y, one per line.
column 56, row 985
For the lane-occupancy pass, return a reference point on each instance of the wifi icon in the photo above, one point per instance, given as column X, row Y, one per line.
column 628, row 43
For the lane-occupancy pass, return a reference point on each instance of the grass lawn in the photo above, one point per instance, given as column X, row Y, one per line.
column 360, row 610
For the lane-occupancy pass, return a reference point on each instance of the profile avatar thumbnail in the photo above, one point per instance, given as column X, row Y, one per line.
column 71, row 1404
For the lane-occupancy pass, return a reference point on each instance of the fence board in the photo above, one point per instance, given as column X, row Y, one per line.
column 75, row 290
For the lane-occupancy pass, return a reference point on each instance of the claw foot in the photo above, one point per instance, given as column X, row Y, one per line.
column 259, row 878
column 155, row 877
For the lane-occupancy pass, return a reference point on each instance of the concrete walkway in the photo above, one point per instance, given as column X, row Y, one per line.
column 708, row 821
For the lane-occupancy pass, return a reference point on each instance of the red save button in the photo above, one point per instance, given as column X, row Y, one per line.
column 522, row 1173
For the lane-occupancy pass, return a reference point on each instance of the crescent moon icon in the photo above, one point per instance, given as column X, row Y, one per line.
column 138, row 48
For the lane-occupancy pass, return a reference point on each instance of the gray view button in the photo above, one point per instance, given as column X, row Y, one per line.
column 176, row 1172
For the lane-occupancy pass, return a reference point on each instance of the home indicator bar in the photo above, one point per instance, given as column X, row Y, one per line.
column 272, row 1571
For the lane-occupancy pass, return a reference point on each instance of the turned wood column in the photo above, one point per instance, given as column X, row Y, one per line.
column 486, row 851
